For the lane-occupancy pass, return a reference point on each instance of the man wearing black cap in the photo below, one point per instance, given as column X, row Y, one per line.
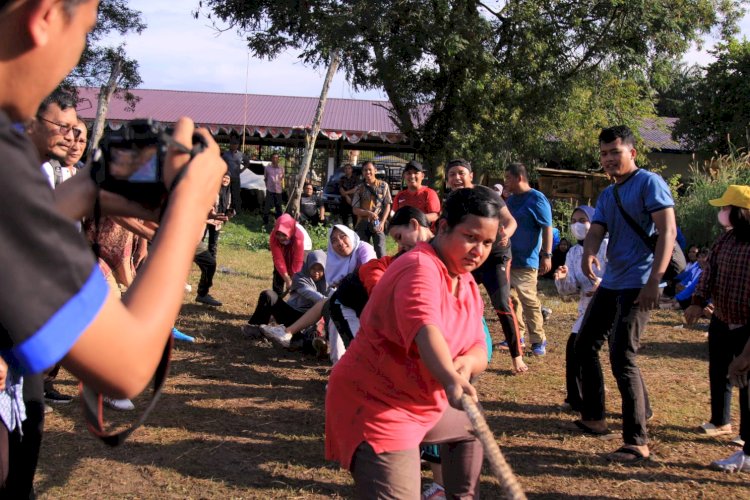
column 416, row 195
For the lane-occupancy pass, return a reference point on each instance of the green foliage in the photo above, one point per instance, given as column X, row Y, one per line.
column 561, row 212
column 492, row 82
column 715, row 114
column 245, row 231
column 319, row 236
column 696, row 218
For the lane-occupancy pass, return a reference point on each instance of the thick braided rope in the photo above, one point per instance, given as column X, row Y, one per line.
column 500, row 468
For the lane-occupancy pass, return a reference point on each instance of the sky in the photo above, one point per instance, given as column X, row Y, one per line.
column 178, row 52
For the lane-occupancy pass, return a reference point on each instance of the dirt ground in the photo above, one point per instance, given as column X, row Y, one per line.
column 242, row 419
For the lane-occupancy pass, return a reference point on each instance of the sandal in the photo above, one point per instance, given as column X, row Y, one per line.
column 625, row 455
column 605, row 434
column 710, row 429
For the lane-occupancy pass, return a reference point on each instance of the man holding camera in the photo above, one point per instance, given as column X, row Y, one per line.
column 58, row 307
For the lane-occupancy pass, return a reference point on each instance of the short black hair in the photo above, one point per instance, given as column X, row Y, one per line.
column 64, row 99
column 404, row 214
column 479, row 200
column 518, row 169
column 621, row 132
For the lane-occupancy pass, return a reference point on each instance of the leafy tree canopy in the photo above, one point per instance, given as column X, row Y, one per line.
column 715, row 115
column 497, row 79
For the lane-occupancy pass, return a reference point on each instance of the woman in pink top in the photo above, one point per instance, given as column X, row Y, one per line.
column 287, row 251
column 420, row 341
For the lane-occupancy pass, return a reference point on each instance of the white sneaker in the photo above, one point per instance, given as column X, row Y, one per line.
column 277, row 334
column 433, row 492
column 119, row 404
column 188, row 288
column 734, row 463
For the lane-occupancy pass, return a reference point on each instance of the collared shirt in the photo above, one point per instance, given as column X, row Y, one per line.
column 274, row 177
column 424, row 198
column 373, row 198
column 726, row 280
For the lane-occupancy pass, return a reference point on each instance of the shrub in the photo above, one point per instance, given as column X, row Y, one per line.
column 695, row 217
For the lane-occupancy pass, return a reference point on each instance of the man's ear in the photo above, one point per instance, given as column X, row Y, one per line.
column 442, row 226
column 43, row 17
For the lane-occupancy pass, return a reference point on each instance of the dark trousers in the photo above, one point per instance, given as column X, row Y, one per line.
column 277, row 283
column 572, row 375
column 612, row 316
column 366, row 233
column 272, row 200
column 50, row 376
column 236, row 189
column 345, row 212
column 213, row 239
column 270, row 304
column 207, row 264
column 342, row 325
column 723, row 346
column 494, row 274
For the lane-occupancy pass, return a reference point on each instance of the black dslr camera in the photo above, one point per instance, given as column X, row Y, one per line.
column 130, row 160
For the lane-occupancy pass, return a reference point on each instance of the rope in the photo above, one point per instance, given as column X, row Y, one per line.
column 500, row 468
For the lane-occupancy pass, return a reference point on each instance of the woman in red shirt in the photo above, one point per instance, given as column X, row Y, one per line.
column 420, row 341
column 287, row 251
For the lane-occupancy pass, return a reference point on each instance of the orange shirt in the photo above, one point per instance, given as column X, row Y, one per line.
column 424, row 198
column 380, row 391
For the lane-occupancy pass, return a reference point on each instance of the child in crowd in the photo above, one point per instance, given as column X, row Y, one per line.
column 569, row 280
column 287, row 249
column 726, row 281
column 308, row 287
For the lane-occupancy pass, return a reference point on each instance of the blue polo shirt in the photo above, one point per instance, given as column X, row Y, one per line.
column 629, row 260
column 532, row 212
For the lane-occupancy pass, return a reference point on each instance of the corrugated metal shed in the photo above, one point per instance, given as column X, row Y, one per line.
column 262, row 115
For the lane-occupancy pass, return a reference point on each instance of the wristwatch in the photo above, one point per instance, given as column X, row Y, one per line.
column 545, row 254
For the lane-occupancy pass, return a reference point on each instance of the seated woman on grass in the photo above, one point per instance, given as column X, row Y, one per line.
column 421, row 339
column 407, row 227
column 308, row 287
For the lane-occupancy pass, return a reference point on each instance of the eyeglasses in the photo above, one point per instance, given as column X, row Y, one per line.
column 64, row 129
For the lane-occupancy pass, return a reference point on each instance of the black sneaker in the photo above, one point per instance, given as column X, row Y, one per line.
column 54, row 397
column 208, row 300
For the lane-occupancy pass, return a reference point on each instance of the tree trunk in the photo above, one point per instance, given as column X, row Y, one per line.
column 292, row 207
column 105, row 94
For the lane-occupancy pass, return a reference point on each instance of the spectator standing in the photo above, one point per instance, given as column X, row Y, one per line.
column 372, row 206
column 311, row 209
column 221, row 213
column 73, row 161
column 347, row 187
column 532, row 250
column 494, row 273
column 274, row 177
column 416, row 195
column 726, row 280
column 234, row 158
column 630, row 288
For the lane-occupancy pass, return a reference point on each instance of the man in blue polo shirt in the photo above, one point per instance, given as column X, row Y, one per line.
column 619, row 310
column 532, row 251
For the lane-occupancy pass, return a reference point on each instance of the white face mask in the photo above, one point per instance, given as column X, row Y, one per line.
column 724, row 218
column 579, row 230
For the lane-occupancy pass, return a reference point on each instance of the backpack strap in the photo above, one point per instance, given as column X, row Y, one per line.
column 647, row 240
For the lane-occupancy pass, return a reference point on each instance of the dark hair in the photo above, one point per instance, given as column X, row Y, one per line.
column 404, row 214
column 458, row 162
column 621, row 132
column 368, row 162
column 62, row 98
column 479, row 200
column 740, row 219
column 307, row 183
column 518, row 170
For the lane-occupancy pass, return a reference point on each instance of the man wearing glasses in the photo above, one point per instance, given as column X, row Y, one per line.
column 53, row 132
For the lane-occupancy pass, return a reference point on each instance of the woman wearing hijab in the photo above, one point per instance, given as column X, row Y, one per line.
column 287, row 249
column 420, row 341
column 308, row 287
column 345, row 254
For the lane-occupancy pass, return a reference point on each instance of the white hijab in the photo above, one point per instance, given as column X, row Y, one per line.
column 337, row 266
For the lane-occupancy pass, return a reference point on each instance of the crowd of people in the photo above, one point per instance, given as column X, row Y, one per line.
column 97, row 286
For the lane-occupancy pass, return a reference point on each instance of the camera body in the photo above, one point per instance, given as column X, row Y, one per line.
column 130, row 160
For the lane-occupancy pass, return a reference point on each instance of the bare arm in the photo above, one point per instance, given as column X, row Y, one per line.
column 135, row 226
column 545, row 262
column 665, row 223
column 119, row 351
column 508, row 226
column 591, row 245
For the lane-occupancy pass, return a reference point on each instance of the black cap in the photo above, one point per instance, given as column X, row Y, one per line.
column 414, row 165
column 458, row 162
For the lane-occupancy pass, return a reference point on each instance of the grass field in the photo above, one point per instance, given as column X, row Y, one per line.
column 242, row 419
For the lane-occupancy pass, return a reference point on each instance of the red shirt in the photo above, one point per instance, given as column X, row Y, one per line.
column 287, row 258
column 424, row 199
column 380, row 391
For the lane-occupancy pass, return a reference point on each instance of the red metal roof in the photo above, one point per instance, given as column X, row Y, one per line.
column 264, row 115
